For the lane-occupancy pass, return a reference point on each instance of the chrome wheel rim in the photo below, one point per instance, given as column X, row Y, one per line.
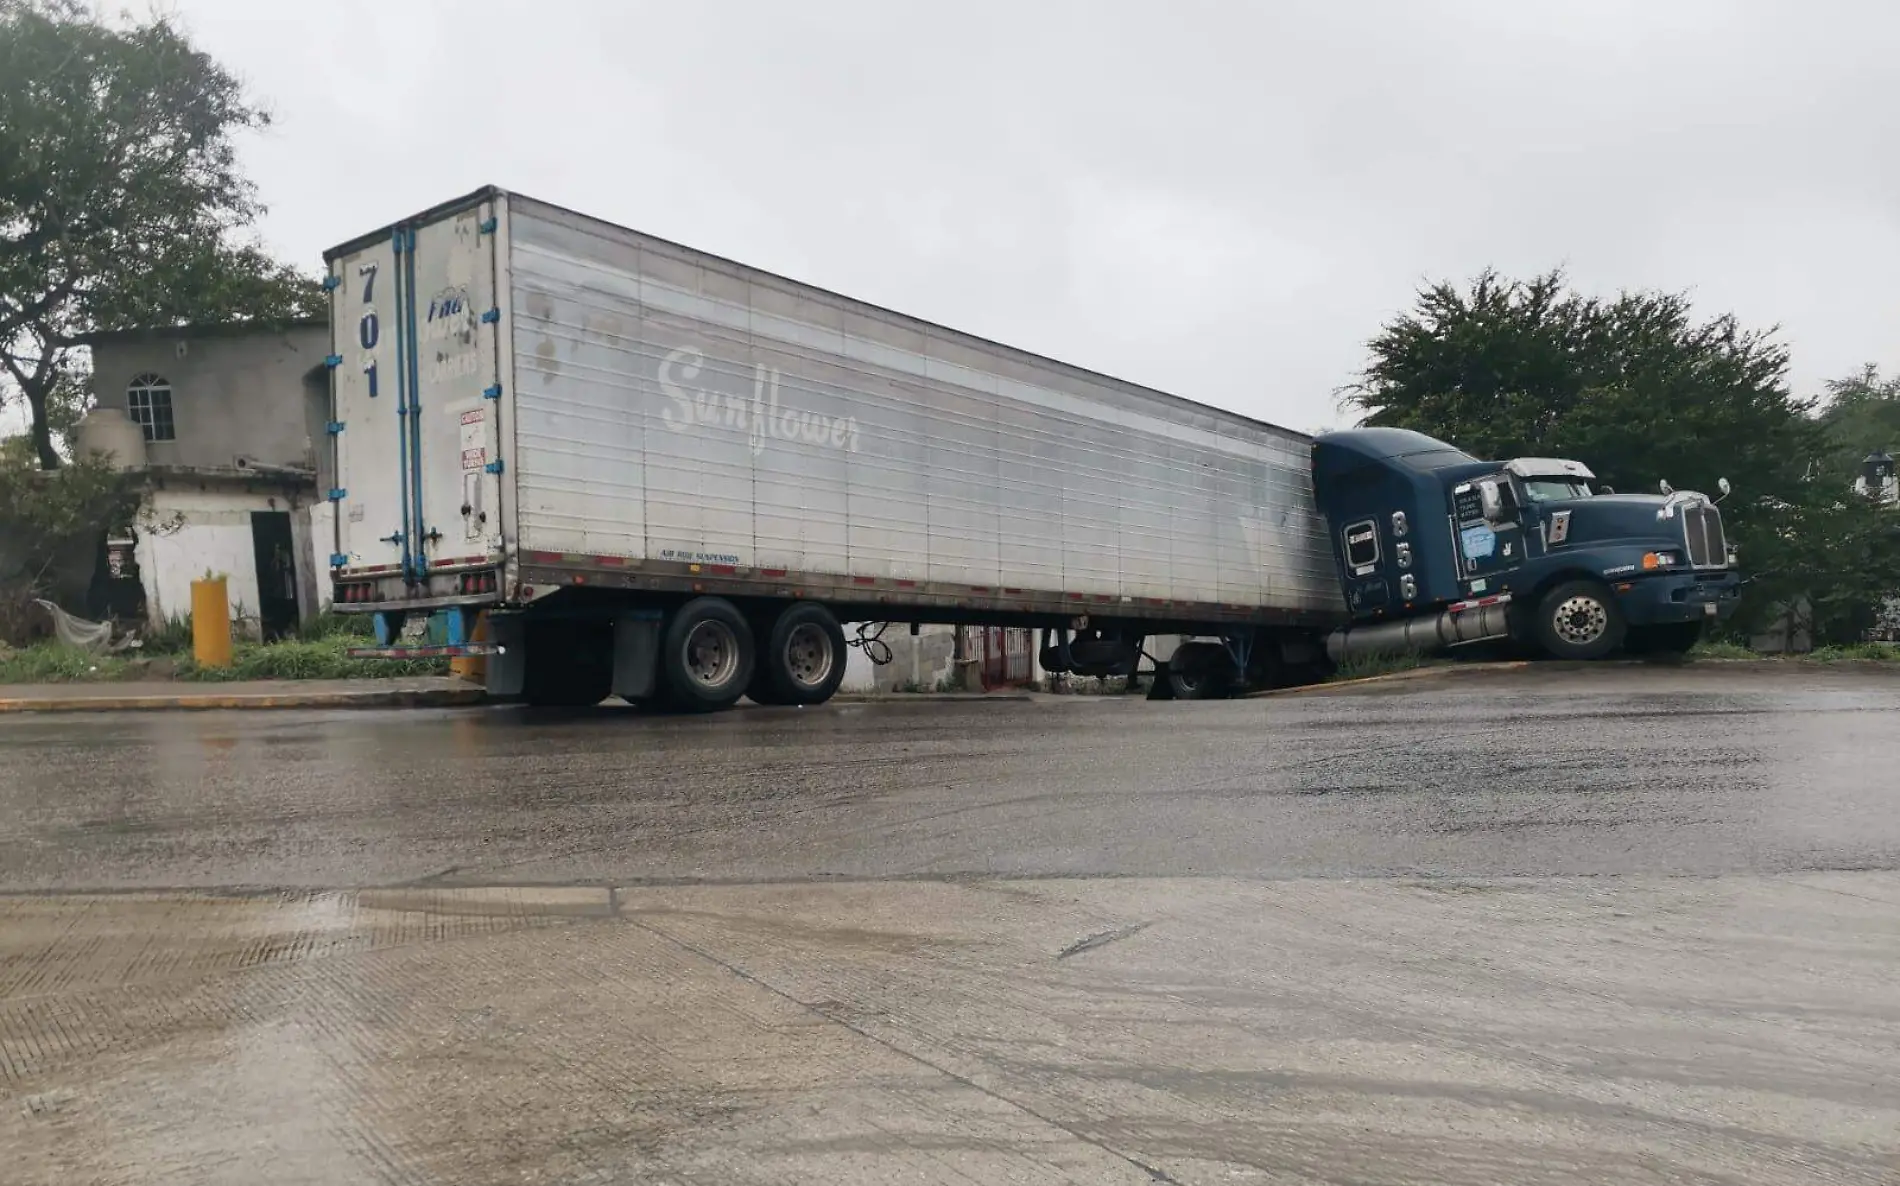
column 712, row 654
column 809, row 655
column 1581, row 620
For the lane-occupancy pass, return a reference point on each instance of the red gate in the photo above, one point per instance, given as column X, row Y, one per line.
column 1002, row 654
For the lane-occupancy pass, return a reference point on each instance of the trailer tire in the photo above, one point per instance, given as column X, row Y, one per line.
column 1579, row 620
column 568, row 665
column 706, row 656
column 804, row 657
column 760, row 691
column 1200, row 671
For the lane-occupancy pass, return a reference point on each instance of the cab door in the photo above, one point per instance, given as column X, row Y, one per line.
column 1490, row 535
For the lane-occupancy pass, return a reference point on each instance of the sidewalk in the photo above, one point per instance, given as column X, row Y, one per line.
column 425, row 692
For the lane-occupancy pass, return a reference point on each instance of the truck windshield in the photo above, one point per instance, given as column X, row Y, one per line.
column 1555, row 489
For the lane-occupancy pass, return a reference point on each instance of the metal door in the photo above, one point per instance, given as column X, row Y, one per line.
column 367, row 425
column 454, row 321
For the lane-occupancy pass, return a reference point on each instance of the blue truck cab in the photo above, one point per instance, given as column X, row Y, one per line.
column 1435, row 547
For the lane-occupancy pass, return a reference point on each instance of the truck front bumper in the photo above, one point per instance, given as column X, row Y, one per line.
column 1679, row 597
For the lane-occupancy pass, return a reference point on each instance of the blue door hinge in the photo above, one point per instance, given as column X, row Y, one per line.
column 331, row 282
column 333, row 361
column 338, row 560
column 492, row 315
column 337, row 493
column 493, row 467
column 488, row 225
column 492, row 391
column 334, row 427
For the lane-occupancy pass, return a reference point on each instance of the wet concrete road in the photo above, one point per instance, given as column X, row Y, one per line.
column 1485, row 775
column 1624, row 925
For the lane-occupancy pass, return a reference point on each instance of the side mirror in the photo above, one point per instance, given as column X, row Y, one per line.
column 1722, row 485
column 1491, row 499
column 1606, row 488
column 1665, row 487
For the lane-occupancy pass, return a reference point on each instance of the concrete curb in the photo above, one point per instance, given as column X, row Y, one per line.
column 224, row 701
column 1393, row 677
column 933, row 697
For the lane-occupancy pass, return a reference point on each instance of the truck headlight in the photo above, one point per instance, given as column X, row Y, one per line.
column 1653, row 561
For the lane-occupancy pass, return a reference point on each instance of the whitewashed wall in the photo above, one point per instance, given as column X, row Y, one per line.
column 926, row 660
column 215, row 536
column 322, row 544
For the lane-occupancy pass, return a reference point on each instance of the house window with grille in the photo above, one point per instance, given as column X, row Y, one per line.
column 148, row 401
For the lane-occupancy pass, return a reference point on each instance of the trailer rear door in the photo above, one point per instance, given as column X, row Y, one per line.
column 367, row 411
column 417, row 390
column 457, row 387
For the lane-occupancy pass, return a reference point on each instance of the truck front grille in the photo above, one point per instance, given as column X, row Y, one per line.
column 1702, row 533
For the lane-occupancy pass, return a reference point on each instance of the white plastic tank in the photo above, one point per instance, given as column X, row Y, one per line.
column 110, row 430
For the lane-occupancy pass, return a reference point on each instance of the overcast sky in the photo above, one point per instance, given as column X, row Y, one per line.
column 1221, row 199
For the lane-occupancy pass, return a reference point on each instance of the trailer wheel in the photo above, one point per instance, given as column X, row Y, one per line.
column 1200, row 671
column 706, row 656
column 1579, row 620
column 804, row 657
column 568, row 665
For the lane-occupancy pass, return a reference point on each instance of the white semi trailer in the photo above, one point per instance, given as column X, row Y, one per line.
column 658, row 474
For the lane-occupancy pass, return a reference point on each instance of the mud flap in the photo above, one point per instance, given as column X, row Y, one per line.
column 636, row 656
column 1160, row 687
column 508, row 665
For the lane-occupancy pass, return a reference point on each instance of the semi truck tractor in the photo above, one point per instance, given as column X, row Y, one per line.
column 1436, row 548
column 617, row 466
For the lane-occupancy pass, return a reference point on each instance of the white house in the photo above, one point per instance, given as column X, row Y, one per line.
column 230, row 421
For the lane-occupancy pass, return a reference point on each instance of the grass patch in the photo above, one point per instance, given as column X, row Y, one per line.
column 311, row 658
column 54, row 663
column 1860, row 652
column 1367, row 666
column 298, row 659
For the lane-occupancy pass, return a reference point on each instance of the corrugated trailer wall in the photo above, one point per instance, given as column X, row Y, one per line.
column 671, row 408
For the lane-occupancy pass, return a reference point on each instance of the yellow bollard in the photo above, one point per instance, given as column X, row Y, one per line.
column 473, row 668
column 210, row 623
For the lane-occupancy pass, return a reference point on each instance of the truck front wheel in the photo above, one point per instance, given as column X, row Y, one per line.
column 1579, row 620
column 706, row 656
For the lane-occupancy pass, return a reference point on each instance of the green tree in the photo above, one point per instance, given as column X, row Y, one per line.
column 1635, row 386
column 1641, row 390
column 121, row 202
column 1861, row 415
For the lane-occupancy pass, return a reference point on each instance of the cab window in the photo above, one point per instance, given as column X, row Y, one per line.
column 1555, row 489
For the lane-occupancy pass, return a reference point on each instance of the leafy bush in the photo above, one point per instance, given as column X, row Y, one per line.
column 49, row 525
